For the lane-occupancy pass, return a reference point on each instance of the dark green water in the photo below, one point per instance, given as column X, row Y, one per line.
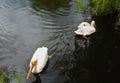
column 28, row 24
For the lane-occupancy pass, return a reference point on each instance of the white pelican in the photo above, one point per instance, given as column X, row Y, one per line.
column 38, row 61
column 86, row 29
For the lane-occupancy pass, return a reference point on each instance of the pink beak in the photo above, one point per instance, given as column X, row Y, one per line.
column 29, row 73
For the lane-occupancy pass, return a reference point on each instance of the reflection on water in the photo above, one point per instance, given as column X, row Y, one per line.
column 12, row 4
column 58, row 7
column 76, row 67
column 38, row 79
column 83, row 59
column 81, row 48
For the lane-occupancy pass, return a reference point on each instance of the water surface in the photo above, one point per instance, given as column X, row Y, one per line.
column 26, row 25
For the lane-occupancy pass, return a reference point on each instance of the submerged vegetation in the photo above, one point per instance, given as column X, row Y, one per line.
column 119, row 19
column 104, row 7
column 5, row 77
column 80, row 6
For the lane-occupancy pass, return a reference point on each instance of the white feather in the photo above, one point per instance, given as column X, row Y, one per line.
column 86, row 29
column 41, row 55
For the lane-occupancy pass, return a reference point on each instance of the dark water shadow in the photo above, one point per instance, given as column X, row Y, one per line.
column 106, row 63
column 79, row 67
column 84, row 59
column 37, row 80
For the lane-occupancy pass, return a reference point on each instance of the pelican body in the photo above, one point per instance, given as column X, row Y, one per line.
column 86, row 28
column 83, row 24
column 38, row 61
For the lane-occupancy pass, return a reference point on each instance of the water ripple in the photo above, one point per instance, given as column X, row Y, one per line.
column 49, row 7
column 12, row 3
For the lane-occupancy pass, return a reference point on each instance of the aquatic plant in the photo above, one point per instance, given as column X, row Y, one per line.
column 17, row 77
column 5, row 77
column 80, row 6
column 104, row 7
column 119, row 18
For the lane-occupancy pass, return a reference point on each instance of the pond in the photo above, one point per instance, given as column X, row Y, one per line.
column 26, row 25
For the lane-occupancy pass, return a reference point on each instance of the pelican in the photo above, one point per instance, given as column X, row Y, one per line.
column 38, row 61
column 86, row 28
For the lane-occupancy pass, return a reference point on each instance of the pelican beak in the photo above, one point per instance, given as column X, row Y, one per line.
column 95, row 25
column 29, row 72
column 31, row 68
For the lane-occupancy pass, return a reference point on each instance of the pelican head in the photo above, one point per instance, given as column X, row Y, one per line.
column 93, row 24
column 34, row 63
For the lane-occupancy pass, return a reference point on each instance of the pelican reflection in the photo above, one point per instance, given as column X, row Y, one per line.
column 38, row 79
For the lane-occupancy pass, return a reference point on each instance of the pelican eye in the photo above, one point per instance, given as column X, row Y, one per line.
column 34, row 62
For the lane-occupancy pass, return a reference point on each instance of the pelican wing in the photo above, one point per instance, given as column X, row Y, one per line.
column 79, row 32
column 85, row 30
column 83, row 24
